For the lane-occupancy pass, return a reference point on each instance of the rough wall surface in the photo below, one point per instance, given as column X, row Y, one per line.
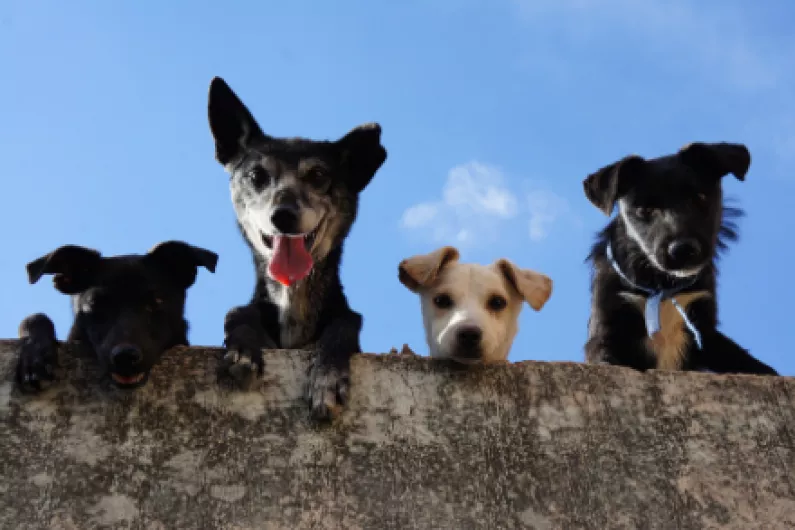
column 421, row 445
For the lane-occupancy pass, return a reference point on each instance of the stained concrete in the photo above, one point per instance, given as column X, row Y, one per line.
column 421, row 445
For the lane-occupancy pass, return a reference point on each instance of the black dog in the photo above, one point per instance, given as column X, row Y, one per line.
column 653, row 293
column 127, row 309
column 296, row 200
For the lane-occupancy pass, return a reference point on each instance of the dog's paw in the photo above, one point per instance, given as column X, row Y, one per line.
column 36, row 364
column 242, row 361
column 327, row 391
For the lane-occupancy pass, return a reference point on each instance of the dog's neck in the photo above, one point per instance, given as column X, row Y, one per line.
column 655, row 297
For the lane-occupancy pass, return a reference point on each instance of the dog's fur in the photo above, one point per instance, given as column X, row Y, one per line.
column 298, row 187
column 470, row 312
column 128, row 310
column 670, row 227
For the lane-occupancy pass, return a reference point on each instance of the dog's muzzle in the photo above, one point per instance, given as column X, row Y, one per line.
column 683, row 253
column 287, row 220
column 126, row 368
column 468, row 345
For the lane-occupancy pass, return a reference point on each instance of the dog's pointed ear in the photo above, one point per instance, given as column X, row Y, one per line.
column 422, row 270
column 362, row 154
column 534, row 287
column 231, row 123
column 717, row 159
column 180, row 261
column 75, row 268
column 605, row 186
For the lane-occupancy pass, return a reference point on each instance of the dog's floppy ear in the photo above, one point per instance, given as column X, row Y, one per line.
column 231, row 123
column 421, row 270
column 362, row 154
column 604, row 187
column 74, row 267
column 180, row 261
column 717, row 159
column 534, row 287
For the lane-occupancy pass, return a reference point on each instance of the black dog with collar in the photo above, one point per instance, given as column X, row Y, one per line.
column 653, row 290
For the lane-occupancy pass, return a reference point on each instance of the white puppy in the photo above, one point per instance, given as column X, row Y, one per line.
column 471, row 311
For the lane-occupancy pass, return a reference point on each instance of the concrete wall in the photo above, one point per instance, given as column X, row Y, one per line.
column 528, row 445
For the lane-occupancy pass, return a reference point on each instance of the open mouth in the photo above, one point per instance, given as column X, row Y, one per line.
column 291, row 260
column 128, row 380
column 309, row 238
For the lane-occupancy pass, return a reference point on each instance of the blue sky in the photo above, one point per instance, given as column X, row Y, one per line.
column 514, row 101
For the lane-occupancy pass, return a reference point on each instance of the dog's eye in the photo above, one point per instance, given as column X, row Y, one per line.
column 259, row 176
column 442, row 301
column 497, row 303
column 644, row 213
column 317, row 177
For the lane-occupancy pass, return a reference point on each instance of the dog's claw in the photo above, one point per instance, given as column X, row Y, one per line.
column 244, row 365
column 326, row 391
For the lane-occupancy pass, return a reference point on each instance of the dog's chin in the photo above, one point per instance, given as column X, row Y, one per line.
column 683, row 273
column 129, row 382
column 467, row 358
column 686, row 273
column 465, row 361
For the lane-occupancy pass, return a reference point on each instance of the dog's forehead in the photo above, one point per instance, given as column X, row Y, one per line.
column 666, row 173
column 294, row 152
column 130, row 271
column 472, row 277
column 280, row 166
column 666, row 163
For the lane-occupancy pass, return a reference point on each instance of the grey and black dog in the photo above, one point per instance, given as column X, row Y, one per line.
column 127, row 309
column 654, row 301
column 295, row 200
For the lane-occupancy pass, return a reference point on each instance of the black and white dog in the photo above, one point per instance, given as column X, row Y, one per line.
column 653, row 288
column 296, row 200
column 127, row 309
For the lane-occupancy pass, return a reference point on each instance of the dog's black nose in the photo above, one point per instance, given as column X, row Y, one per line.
column 683, row 251
column 126, row 356
column 285, row 219
column 469, row 337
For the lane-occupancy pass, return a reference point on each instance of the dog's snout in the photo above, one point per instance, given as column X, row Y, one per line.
column 285, row 219
column 126, row 356
column 469, row 337
column 285, row 216
column 286, row 198
column 683, row 251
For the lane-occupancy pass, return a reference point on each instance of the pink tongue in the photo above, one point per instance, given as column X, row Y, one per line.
column 290, row 262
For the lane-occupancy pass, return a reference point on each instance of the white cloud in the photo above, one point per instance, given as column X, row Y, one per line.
column 419, row 215
column 477, row 204
column 545, row 208
column 477, row 188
